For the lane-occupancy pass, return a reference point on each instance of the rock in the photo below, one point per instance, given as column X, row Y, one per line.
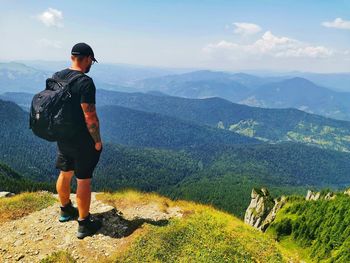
column 312, row 195
column 6, row 194
column 19, row 257
column 279, row 203
column 347, row 191
column 317, row 195
column 262, row 209
column 18, row 242
column 329, row 196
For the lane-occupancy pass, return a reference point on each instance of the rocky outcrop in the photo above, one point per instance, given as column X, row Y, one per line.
column 317, row 196
column 312, row 195
column 262, row 209
column 6, row 194
column 279, row 203
column 329, row 196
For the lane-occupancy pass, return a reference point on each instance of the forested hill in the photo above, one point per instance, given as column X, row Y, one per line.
column 11, row 181
column 139, row 128
column 318, row 228
column 272, row 125
column 268, row 125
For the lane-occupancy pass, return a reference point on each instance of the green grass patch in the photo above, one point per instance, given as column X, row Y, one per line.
column 23, row 204
column 59, row 257
column 288, row 246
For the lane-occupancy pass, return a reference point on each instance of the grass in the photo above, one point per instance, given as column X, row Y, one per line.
column 128, row 198
column 22, row 204
column 59, row 257
column 203, row 234
column 288, row 246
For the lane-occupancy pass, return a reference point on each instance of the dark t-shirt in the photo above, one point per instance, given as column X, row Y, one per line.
column 83, row 90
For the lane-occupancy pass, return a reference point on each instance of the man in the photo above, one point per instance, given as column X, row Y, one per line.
column 79, row 155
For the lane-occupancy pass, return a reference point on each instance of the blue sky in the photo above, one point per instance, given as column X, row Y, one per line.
column 230, row 35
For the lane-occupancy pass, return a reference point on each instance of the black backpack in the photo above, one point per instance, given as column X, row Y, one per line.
column 50, row 115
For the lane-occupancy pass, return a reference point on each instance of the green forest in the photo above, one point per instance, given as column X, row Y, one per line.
column 322, row 227
column 13, row 182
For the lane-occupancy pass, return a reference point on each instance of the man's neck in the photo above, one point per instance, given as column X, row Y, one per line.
column 76, row 68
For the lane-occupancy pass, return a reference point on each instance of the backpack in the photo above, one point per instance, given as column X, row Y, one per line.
column 50, row 115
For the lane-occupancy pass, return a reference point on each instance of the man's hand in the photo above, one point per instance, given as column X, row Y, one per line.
column 98, row 146
column 92, row 123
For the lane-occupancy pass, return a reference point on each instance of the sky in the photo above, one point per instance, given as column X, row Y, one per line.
column 282, row 35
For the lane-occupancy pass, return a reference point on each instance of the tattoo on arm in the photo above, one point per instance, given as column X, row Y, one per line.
column 91, row 120
column 90, row 107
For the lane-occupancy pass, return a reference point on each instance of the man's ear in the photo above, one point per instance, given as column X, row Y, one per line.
column 86, row 60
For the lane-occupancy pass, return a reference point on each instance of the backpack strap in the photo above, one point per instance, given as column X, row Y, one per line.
column 67, row 82
column 75, row 77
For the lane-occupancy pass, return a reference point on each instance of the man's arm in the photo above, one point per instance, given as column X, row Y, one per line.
column 92, row 121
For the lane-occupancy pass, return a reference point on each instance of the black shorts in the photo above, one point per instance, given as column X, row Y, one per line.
column 79, row 155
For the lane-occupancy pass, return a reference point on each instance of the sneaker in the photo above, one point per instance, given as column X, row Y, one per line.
column 68, row 212
column 88, row 227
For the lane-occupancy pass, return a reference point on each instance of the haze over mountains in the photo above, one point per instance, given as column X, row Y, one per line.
column 267, row 92
column 322, row 94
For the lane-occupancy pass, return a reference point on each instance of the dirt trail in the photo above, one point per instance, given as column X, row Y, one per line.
column 39, row 234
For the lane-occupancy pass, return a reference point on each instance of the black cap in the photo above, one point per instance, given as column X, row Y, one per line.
column 83, row 49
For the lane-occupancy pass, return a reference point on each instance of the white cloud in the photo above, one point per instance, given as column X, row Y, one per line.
column 246, row 28
column 222, row 44
column 337, row 23
column 307, row 51
column 269, row 42
column 269, row 45
column 51, row 17
column 49, row 43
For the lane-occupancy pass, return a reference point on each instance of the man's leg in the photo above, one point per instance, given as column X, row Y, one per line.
column 83, row 196
column 63, row 186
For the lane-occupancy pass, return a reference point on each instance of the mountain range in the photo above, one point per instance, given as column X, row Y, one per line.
column 323, row 94
column 266, row 125
column 266, row 92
